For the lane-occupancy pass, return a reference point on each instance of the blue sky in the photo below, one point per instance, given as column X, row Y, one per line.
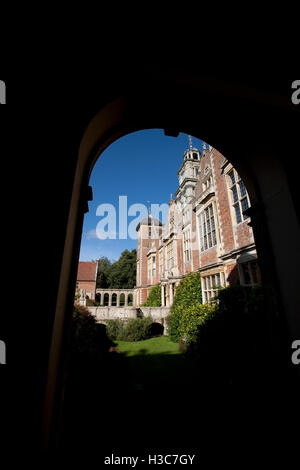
column 142, row 166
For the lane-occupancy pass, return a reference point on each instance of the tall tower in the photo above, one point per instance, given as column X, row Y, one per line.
column 148, row 232
column 188, row 174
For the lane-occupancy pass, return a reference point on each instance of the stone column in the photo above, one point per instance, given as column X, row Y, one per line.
column 171, row 295
column 102, row 298
column 162, row 296
column 109, row 299
column 126, row 299
column 118, row 299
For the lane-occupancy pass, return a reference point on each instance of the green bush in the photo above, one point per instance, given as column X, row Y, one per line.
column 188, row 295
column 136, row 329
column 188, row 292
column 184, row 323
column 88, row 338
column 80, row 310
column 193, row 317
column 91, row 303
column 173, row 321
column 154, row 297
column 114, row 328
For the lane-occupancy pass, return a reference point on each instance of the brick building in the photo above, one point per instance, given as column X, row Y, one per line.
column 207, row 231
column 86, row 279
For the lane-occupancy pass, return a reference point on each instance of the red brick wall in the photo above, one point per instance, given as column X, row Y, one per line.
column 231, row 274
column 209, row 256
column 144, row 244
column 244, row 234
column 225, row 221
column 195, row 243
column 231, row 236
column 88, row 286
column 144, row 295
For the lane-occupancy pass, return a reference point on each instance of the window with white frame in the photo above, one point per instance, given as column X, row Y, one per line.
column 206, row 184
column 239, row 196
column 187, row 246
column 153, row 267
column 149, row 269
column 207, row 225
column 170, row 259
column 211, row 285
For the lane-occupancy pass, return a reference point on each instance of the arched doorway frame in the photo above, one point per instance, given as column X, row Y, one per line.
column 120, row 117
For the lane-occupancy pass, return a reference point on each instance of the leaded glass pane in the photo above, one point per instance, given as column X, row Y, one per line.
column 208, row 225
column 245, row 206
column 238, row 213
column 242, row 189
column 209, row 240
column 231, row 174
column 214, row 237
column 235, row 194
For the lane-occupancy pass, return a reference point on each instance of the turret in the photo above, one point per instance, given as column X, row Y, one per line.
column 188, row 174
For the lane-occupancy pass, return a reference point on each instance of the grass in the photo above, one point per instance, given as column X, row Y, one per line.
column 159, row 345
column 156, row 363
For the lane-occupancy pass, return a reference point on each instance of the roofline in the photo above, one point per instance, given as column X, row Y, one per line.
column 160, row 224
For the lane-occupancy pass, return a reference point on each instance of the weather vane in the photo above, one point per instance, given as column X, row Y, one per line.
column 190, row 142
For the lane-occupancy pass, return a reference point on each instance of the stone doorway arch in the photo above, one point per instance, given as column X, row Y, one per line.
column 258, row 161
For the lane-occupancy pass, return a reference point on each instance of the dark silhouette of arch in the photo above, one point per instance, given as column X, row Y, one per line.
column 138, row 110
column 156, row 329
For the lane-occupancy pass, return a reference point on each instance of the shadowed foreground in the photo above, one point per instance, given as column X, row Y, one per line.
column 133, row 402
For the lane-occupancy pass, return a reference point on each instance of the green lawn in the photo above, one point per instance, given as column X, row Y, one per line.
column 159, row 345
column 155, row 363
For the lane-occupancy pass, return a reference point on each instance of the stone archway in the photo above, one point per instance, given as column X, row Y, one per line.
column 112, row 297
column 260, row 166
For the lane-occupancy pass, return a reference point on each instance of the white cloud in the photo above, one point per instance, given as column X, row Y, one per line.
column 92, row 234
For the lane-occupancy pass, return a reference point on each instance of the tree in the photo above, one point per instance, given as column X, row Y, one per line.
column 122, row 273
column 104, row 265
column 188, row 295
